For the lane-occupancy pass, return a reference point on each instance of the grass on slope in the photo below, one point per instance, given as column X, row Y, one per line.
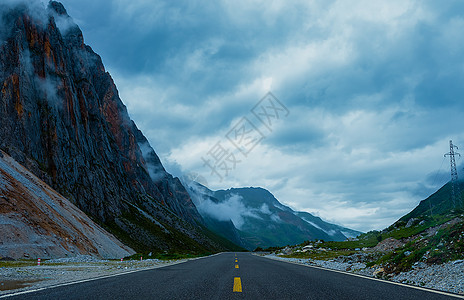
column 439, row 203
column 396, row 231
column 144, row 236
column 320, row 255
column 446, row 245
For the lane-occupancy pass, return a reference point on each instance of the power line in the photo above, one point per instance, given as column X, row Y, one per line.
column 433, row 184
column 438, row 171
column 455, row 190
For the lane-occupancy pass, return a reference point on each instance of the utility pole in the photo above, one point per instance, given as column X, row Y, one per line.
column 455, row 190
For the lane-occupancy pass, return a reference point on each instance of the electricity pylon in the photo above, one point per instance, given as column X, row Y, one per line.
column 455, row 190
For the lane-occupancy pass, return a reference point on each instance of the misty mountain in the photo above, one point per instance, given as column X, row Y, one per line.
column 61, row 117
column 259, row 219
column 222, row 225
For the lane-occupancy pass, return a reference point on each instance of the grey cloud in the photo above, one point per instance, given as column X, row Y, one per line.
column 156, row 172
column 404, row 74
column 27, row 69
column 48, row 87
column 296, row 135
column 64, row 23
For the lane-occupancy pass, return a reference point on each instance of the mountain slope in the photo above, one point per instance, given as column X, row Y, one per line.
column 255, row 218
column 36, row 221
column 439, row 203
column 337, row 232
column 62, row 118
column 201, row 195
column 276, row 224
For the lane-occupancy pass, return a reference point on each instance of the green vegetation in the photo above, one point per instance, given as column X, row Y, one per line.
column 439, row 203
column 164, row 256
column 369, row 239
column 144, row 231
column 447, row 244
column 320, row 255
column 429, row 238
column 18, row 263
column 269, row 249
column 145, row 236
column 400, row 231
column 216, row 237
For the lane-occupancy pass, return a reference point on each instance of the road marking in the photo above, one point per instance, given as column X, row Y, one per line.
column 237, row 285
column 236, row 266
column 371, row 278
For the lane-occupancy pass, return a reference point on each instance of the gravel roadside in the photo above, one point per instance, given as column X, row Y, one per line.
column 59, row 271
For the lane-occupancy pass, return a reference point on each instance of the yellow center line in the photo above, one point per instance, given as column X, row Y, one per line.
column 236, row 266
column 237, row 284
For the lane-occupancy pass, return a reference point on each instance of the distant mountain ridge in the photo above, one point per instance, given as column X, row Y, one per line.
column 62, row 118
column 257, row 219
column 336, row 231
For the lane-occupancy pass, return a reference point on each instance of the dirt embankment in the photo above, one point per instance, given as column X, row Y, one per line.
column 38, row 222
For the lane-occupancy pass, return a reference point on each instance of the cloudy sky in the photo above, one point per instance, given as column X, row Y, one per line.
column 374, row 92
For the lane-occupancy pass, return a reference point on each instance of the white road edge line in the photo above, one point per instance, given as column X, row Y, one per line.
column 101, row 277
column 371, row 278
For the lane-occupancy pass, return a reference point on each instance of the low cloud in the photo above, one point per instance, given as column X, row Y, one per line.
column 49, row 87
column 155, row 171
column 64, row 23
column 232, row 208
column 35, row 8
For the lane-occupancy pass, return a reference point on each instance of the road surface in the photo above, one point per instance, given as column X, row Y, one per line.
column 234, row 276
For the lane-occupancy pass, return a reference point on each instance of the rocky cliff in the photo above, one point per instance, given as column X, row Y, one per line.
column 62, row 118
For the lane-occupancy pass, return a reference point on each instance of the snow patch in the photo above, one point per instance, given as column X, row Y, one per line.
column 313, row 224
column 330, row 232
column 349, row 234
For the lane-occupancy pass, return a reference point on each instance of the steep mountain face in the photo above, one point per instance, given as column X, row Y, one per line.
column 260, row 219
column 36, row 221
column 62, row 118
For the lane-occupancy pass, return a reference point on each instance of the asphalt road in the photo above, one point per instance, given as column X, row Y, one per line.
column 234, row 276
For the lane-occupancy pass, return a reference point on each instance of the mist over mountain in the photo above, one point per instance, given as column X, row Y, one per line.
column 62, row 118
column 255, row 218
